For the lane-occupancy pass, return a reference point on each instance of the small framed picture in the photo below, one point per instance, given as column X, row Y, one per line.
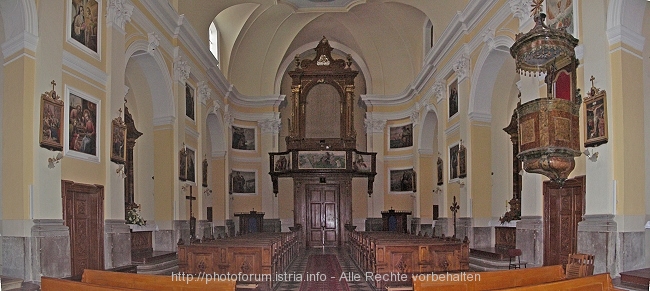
column 281, row 162
column 362, row 162
column 118, row 141
column 190, row 155
column 82, row 129
column 462, row 161
column 453, row 99
column 84, row 25
column 453, row 162
column 243, row 182
column 440, row 171
column 243, row 138
column 400, row 136
column 204, row 173
column 595, row 118
column 189, row 101
column 402, row 180
column 182, row 165
column 51, row 134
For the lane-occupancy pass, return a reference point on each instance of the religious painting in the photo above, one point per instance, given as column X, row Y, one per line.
column 82, row 128
column 401, row 136
column 118, row 141
column 84, row 25
column 189, row 101
column 453, row 99
column 440, row 169
column 453, row 162
column 204, row 173
column 282, row 162
column 559, row 14
column 190, row 155
column 51, row 133
column 362, row 162
column 595, row 118
column 462, row 162
column 243, row 182
column 402, row 180
column 243, row 138
column 182, row 165
column 321, row 160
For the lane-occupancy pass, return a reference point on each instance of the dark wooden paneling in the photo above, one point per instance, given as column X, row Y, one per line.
column 563, row 209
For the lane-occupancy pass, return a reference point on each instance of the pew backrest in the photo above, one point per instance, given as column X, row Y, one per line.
column 154, row 282
column 55, row 284
column 591, row 283
column 478, row 281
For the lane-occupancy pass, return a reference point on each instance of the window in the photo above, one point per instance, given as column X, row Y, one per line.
column 214, row 40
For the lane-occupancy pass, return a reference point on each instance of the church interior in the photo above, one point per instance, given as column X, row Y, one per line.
column 289, row 138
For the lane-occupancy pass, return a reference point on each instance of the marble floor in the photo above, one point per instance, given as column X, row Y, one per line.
column 347, row 266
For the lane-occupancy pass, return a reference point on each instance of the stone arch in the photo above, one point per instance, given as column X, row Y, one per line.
column 20, row 17
column 216, row 133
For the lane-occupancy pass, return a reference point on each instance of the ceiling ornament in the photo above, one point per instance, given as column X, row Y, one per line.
column 119, row 13
column 204, row 92
column 154, row 42
column 181, row 70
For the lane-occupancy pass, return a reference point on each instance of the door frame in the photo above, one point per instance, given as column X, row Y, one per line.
column 309, row 218
column 580, row 182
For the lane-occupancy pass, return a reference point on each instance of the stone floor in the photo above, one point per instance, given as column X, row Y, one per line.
column 347, row 265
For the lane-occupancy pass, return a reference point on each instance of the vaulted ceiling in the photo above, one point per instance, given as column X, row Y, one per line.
column 260, row 38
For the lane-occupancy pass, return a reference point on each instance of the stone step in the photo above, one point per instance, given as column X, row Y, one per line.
column 159, row 268
column 9, row 283
column 483, row 264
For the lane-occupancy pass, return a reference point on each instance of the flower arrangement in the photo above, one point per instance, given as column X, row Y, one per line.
column 133, row 216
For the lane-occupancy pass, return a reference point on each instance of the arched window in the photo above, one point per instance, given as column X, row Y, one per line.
column 214, row 40
column 428, row 37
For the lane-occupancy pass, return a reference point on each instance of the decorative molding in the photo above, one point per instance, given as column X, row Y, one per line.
column 488, row 38
column 415, row 116
column 374, row 125
column 452, row 129
column 181, row 70
column 191, row 132
column 179, row 25
column 408, row 157
column 19, row 42
column 257, row 101
column 228, row 119
column 271, row 125
column 218, row 154
column 154, row 42
column 520, row 9
column 626, row 36
column 164, row 120
column 252, row 160
column 204, row 92
column 480, row 117
column 84, row 68
column 425, row 152
column 461, row 67
column 439, row 90
column 118, row 13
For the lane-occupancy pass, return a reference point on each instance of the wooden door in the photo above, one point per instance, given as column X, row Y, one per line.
column 322, row 216
column 83, row 212
column 563, row 209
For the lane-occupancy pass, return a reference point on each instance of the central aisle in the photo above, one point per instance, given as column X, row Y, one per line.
column 300, row 266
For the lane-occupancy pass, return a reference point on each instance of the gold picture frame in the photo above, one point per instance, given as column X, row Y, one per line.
column 595, row 117
column 118, row 141
column 51, row 133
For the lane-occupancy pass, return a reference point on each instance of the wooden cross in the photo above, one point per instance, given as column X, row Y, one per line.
column 454, row 208
column 54, row 84
column 192, row 218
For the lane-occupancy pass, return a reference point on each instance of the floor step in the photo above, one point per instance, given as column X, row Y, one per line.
column 9, row 283
column 640, row 277
column 483, row 264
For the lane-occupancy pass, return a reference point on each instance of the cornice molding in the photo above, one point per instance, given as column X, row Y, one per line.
column 84, row 68
column 191, row 132
column 452, row 129
column 25, row 40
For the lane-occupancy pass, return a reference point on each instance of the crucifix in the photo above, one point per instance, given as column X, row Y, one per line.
column 192, row 218
column 454, row 208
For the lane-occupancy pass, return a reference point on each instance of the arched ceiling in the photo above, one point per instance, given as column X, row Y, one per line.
column 258, row 35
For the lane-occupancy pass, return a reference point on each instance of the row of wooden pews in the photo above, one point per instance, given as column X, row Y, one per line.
column 530, row 279
column 391, row 258
column 257, row 258
column 95, row 280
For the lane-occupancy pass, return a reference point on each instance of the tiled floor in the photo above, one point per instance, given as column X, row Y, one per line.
column 347, row 266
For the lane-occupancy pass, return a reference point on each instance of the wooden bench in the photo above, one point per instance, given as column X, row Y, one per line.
column 153, row 282
column 591, row 283
column 477, row 281
column 55, row 284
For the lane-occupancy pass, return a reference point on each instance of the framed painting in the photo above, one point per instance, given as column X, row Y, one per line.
column 453, row 98
column 595, row 118
column 118, row 141
column 453, row 162
column 243, row 182
column 82, row 129
column 440, row 173
column 84, row 25
column 321, row 160
column 361, row 162
column 189, row 101
column 182, row 165
column 282, row 162
column 204, row 173
column 559, row 14
column 402, row 180
column 190, row 155
column 462, row 162
column 401, row 136
column 51, row 133
column 243, row 138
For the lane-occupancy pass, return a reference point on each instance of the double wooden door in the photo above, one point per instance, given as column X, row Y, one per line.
column 322, row 215
column 83, row 213
column 563, row 209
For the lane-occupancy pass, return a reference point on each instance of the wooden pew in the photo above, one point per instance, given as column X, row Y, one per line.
column 55, row 284
column 478, row 281
column 153, row 282
column 591, row 283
